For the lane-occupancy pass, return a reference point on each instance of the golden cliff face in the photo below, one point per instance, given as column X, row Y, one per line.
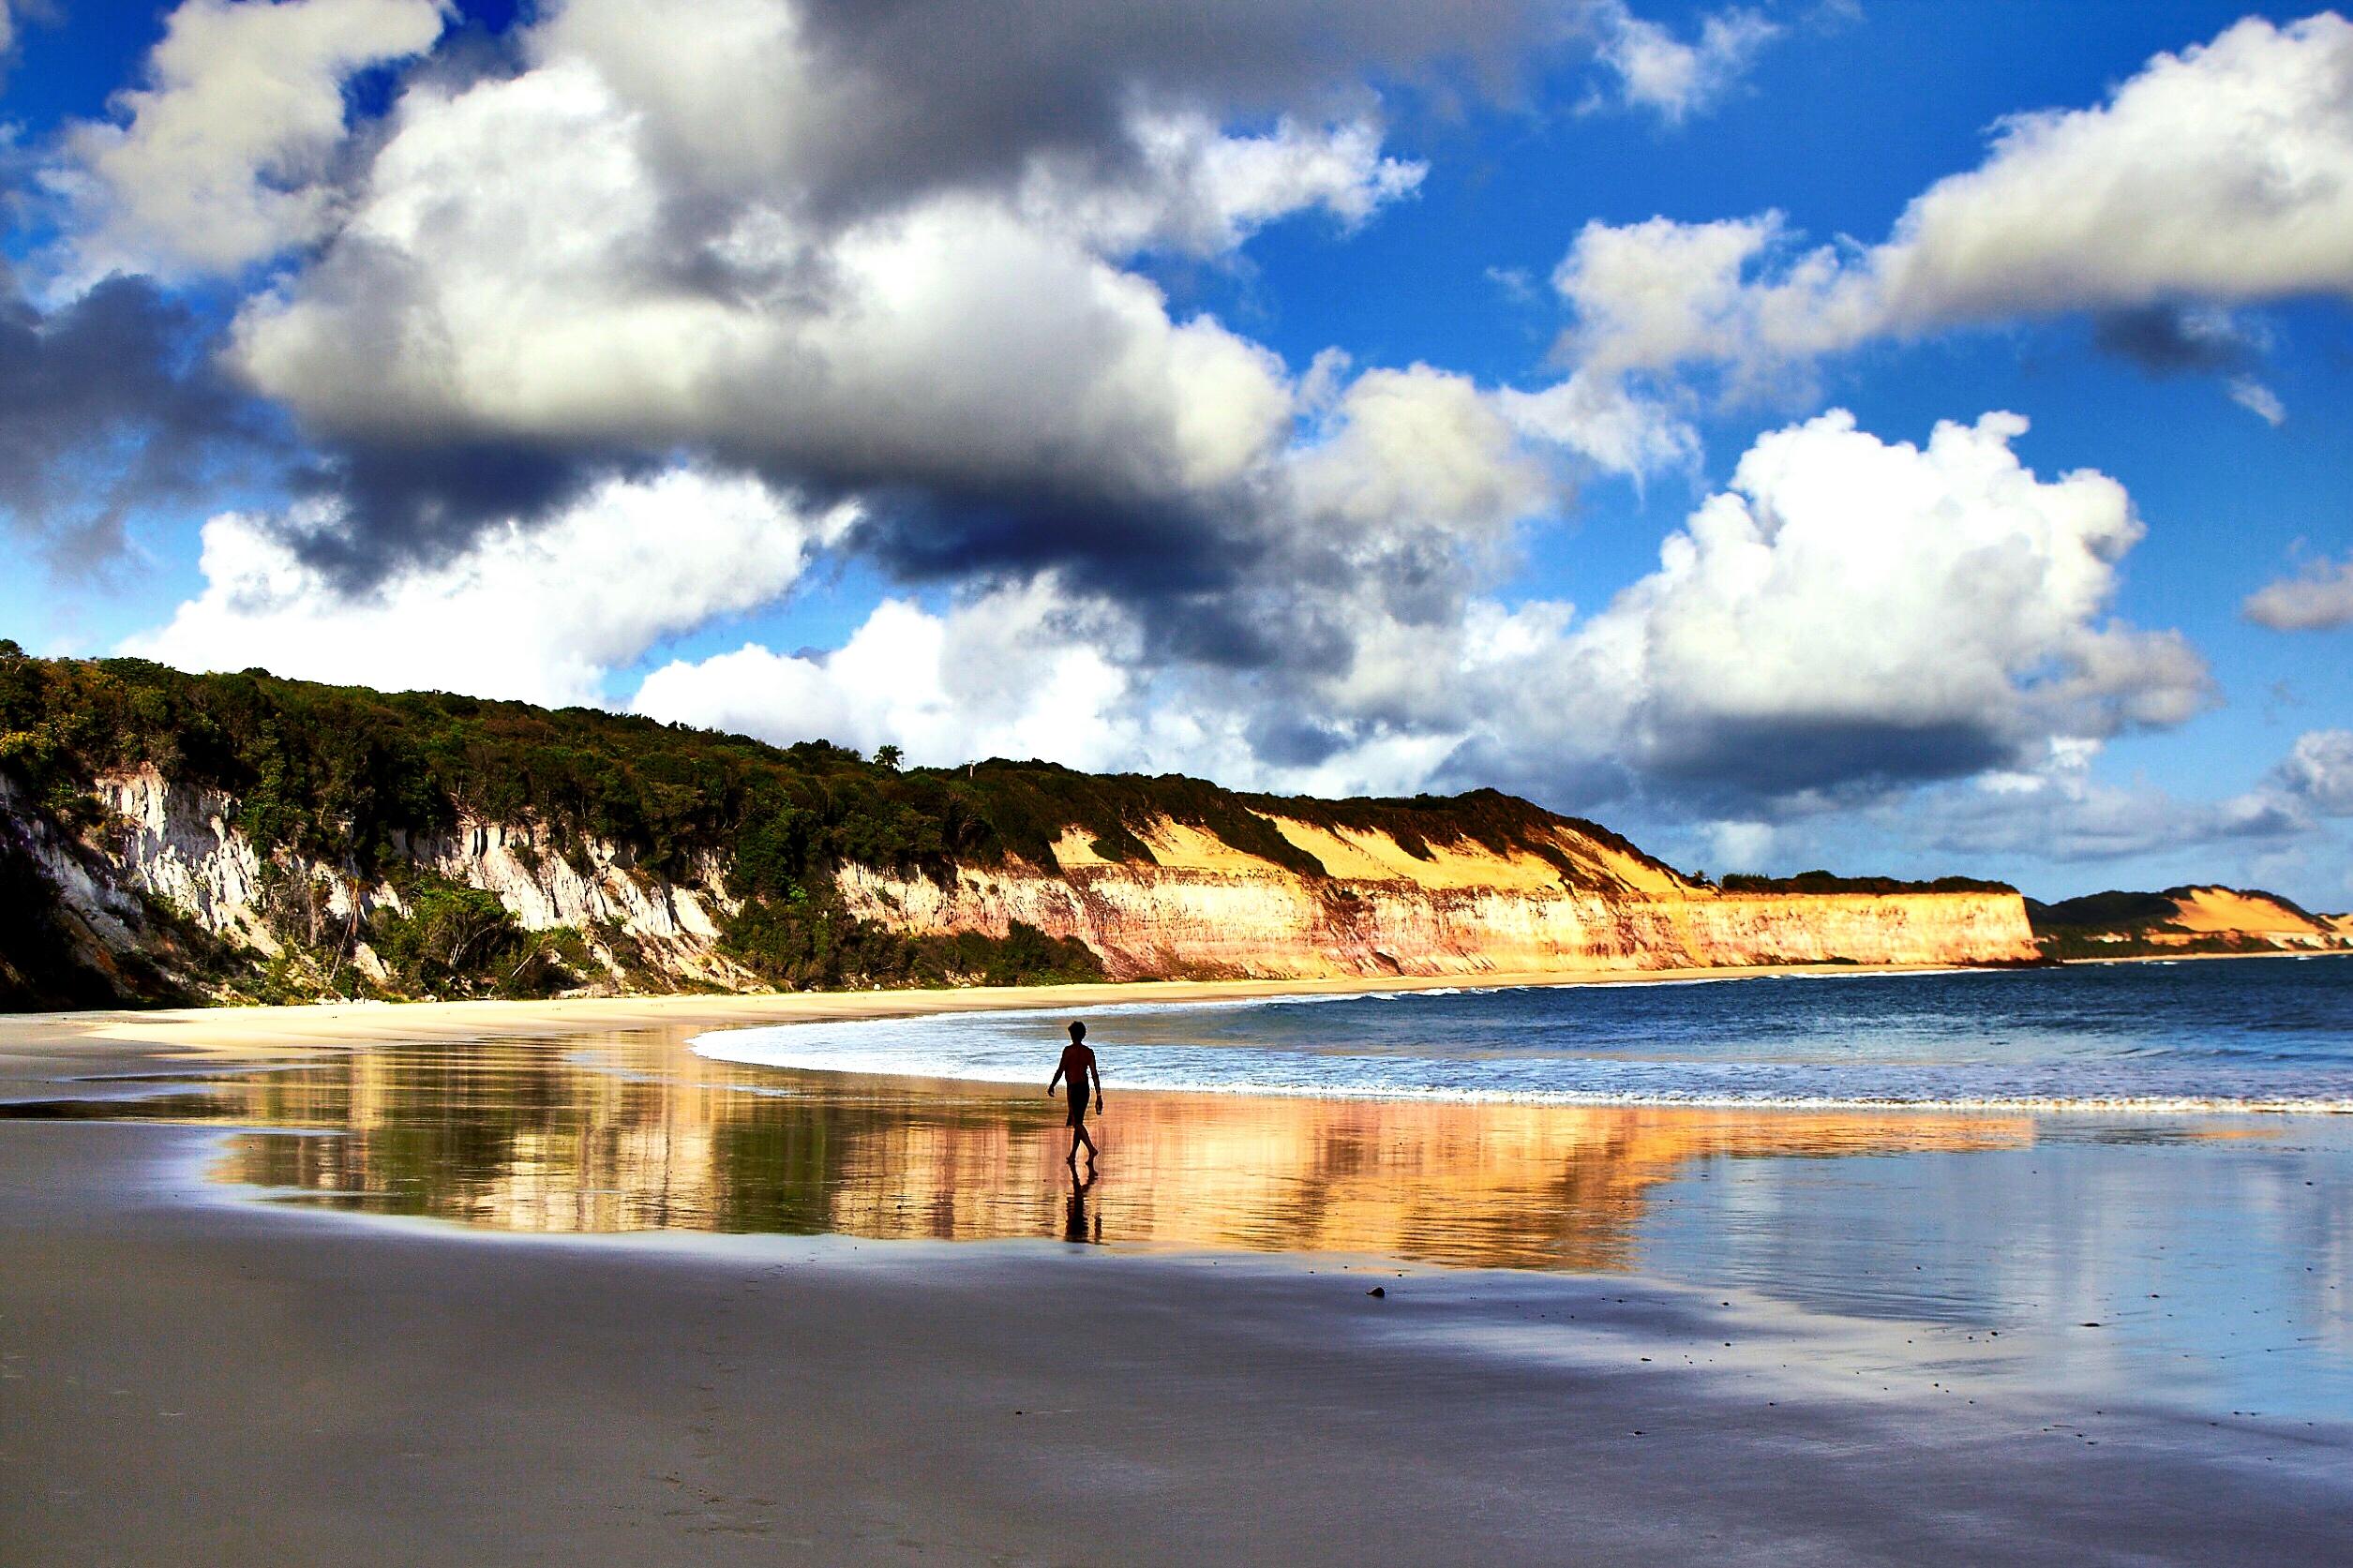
column 1208, row 909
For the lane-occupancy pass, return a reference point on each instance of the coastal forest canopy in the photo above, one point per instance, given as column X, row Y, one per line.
column 341, row 774
column 338, row 786
column 348, row 777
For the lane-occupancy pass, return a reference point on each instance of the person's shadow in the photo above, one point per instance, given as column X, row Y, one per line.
column 1075, row 1216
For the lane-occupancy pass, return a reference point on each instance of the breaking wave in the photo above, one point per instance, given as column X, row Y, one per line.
column 2135, row 1039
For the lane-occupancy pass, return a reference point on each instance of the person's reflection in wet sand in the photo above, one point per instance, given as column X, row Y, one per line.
column 1075, row 1225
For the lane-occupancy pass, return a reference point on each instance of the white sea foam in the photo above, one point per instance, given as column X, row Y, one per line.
column 2050, row 1043
column 721, row 1048
column 1015, row 1047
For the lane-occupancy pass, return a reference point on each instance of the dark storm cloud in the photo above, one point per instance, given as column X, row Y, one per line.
column 2167, row 341
column 1729, row 760
column 955, row 94
column 108, row 405
column 1577, row 782
column 1287, row 737
column 1204, row 585
column 403, row 504
column 1123, row 545
column 1282, row 626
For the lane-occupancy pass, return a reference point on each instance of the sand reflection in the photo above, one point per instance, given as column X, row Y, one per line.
column 632, row 1133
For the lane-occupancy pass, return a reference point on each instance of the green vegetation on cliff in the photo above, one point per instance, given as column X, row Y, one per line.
column 2118, row 924
column 2135, row 912
column 814, row 945
column 345, row 774
column 1824, row 882
column 351, row 779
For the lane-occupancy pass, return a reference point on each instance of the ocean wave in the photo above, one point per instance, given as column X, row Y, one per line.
column 723, row 1047
column 2089, row 1040
column 784, row 1048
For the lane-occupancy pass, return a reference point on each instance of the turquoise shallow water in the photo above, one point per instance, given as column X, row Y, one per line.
column 2196, row 1036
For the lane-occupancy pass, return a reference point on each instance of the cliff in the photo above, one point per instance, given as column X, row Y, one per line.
column 2188, row 920
column 166, row 836
column 1204, row 909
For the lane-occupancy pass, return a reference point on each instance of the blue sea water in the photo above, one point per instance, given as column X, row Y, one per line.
column 2194, row 1035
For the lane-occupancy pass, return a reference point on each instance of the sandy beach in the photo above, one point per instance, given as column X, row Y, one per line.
column 46, row 1037
column 609, row 1361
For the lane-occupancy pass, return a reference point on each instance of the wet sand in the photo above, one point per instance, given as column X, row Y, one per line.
column 188, row 1375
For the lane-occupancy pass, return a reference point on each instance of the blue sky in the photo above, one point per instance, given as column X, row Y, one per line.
column 1307, row 407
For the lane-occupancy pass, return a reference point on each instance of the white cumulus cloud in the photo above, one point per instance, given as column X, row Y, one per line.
column 2318, row 771
column 728, row 239
column 541, row 614
column 1016, row 672
column 1852, row 608
column 2318, row 599
column 1202, row 190
column 1672, row 78
column 2222, row 173
column 1601, row 419
column 220, row 159
column 1850, row 612
column 511, row 265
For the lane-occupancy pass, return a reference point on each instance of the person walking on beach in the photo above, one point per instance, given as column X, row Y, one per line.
column 1078, row 1066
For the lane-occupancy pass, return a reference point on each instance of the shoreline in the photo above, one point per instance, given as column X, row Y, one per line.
column 201, row 1373
column 275, row 1032
column 2176, row 958
column 42, row 1054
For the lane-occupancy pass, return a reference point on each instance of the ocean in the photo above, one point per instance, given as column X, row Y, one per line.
column 2194, row 1035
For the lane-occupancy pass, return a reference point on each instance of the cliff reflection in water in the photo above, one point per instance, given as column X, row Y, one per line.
column 637, row 1134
